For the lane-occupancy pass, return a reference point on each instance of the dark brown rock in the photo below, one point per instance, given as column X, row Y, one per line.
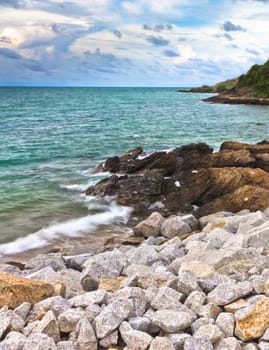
column 136, row 191
column 237, row 100
column 166, row 163
column 227, row 158
column 260, row 152
column 114, row 164
column 262, row 147
column 245, row 197
column 192, row 149
column 192, row 175
column 191, row 156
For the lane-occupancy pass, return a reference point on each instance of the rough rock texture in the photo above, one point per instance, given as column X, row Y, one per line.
column 16, row 290
column 86, row 336
column 111, row 317
column 172, row 321
column 251, row 324
column 105, row 265
column 226, row 293
column 49, row 326
column 175, row 226
column 150, row 227
column 232, row 179
column 38, row 341
column 160, row 343
column 205, row 290
column 134, row 339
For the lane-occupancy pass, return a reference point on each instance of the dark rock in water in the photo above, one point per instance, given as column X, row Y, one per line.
column 136, row 191
column 114, row 164
column 193, row 148
column 166, row 163
column 263, row 142
column 231, row 99
column 191, row 176
column 261, row 147
column 260, row 152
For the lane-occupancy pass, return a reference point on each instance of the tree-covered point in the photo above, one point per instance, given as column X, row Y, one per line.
column 220, row 87
column 255, row 83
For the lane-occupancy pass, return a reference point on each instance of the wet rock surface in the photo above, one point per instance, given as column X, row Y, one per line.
column 190, row 178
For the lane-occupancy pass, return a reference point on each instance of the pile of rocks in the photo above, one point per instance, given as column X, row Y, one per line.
column 191, row 285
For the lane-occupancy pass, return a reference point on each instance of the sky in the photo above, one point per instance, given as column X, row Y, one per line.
column 130, row 42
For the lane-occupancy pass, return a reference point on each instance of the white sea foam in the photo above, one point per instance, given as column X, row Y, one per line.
column 142, row 156
column 72, row 228
column 169, row 150
column 94, row 178
column 101, row 174
column 74, row 187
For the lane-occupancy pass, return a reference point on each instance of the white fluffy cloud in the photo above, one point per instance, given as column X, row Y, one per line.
column 173, row 42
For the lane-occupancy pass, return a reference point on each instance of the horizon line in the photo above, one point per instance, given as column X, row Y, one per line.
column 93, row 86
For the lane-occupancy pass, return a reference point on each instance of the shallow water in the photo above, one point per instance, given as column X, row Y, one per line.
column 52, row 137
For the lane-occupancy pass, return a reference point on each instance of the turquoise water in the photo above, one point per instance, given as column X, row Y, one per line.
column 52, row 137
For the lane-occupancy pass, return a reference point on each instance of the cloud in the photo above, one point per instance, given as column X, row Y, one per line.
column 17, row 64
column 233, row 46
column 117, row 33
column 9, row 53
column 228, row 26
column 253, row 52
column 103, row 62
column 147, row 27
column 157, row 41
column 139, row 41
column 228, row 37
column 12, row 3
column 6, row 40
column 171, row 53
column 225, row 35
column 158, row 27
column 33, row 65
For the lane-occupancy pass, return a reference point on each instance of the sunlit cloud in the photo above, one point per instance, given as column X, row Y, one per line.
column 142, row 42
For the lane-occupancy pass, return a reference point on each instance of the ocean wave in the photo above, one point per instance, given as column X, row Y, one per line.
column 72, row 228
column 88, row 172
column 74, row 187
column 93, row 179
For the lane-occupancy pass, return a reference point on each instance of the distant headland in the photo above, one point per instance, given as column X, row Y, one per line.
column 250, row 88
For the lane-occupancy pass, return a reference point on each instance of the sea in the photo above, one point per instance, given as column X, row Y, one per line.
column 52, row 138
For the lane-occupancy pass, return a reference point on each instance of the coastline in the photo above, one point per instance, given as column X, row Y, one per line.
column 226, row 98
column 175, row 280
column 188, row 283
column 88, row 243
column 234, row 99
column 191, row 179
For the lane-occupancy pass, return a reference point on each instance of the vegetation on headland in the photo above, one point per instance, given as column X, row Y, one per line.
column 220, row 87
column 254, row 84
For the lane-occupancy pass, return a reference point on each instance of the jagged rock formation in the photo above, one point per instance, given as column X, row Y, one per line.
column 190, row 178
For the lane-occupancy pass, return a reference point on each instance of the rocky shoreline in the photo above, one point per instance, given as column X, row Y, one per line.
column 188, row 277
column 236, row 99
column 189, row 179
column 190, row 284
